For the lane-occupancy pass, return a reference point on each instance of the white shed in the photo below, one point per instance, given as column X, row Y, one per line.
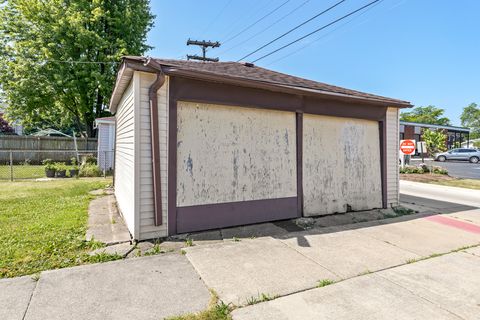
column 105, row 142
column 236, row 144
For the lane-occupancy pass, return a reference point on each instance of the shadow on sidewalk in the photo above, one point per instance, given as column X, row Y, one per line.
column 284, row 229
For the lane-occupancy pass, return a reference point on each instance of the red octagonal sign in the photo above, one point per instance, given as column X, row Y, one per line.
column 407, row 146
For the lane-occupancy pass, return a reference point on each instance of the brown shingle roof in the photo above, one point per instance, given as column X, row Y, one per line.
column 241, row 74
column 254, row 73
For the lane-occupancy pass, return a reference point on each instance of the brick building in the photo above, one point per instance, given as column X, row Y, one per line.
column 456, row 136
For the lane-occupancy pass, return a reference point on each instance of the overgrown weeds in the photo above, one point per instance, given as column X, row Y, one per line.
column 217, row 310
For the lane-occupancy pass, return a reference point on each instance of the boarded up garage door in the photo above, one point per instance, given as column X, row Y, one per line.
column 234, row 166
column 341, row 165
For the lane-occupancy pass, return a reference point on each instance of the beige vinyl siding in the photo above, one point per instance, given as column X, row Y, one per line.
column 148, row 230
column 392, row 128
column 125, row 157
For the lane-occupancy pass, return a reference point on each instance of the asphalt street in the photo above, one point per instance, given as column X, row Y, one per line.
column 457, row 169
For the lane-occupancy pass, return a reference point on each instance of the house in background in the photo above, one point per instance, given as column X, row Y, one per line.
column 18, row 128
column 210, row 145
column 106, row 142
column 456, row 136
column 472, row 143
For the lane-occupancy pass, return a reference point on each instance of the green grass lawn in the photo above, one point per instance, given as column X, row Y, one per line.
column 43, row 225
column 22, row 172
column 461, row 183
column 441, row 179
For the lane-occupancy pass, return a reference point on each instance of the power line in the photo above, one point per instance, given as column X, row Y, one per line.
column 258, row 7
column 293, row 29
column 240, row 18
column 267, row 28
column 256, row 22
column 322, row 36
column 317, row 30
column 216, row 17
column 78, row 62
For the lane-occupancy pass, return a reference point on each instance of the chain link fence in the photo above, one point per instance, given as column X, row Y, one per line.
column 36, row 164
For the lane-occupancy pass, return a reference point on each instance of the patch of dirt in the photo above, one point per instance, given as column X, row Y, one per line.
column 425, row 177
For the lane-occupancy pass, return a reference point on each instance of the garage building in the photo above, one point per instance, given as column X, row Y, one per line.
column 234, row 144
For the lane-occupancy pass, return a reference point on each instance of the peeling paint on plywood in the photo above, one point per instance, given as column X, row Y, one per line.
column 341, row 165
column 228, row 154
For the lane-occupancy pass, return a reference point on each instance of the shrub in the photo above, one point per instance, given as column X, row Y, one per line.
column 47, row 162
column 90, row 170
column 73, row 164
column 439, row 170
column 89, row 159
column 49, row 165
column 60, row 166
column 423, row 168
column 411, row 169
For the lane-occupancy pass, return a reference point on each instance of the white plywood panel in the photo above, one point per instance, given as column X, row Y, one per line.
column 341, row 165
column 229, row 154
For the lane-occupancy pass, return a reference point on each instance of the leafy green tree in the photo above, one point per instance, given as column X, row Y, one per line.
column 435, row 140
column 470, row 118
column 428, row 114
column 58, row 58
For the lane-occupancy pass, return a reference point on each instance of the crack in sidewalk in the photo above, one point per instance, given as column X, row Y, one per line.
column 30, row 298
column 420, row 296
column 302, row 254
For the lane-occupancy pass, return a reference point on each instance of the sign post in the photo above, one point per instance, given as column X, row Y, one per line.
column 407, row 147
column 422, row 149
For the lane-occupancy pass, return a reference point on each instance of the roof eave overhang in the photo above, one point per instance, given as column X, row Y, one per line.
column 429, row 125
column 104, row 121
column 131, row 64
column 124, row 76
column 282, row 88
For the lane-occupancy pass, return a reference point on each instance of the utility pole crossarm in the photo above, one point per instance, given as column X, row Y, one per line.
column 195, row 57
column 204, row 44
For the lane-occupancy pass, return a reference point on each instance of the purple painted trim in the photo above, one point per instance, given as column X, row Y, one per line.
column 383, row 160
column 210, row 92
column 219, row 93
column 213, row 216
column 299, row 133
column 172, row 162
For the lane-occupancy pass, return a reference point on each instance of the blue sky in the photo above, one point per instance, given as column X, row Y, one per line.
column 423, row 51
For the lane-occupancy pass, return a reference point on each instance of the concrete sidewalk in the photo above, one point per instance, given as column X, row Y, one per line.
column 285, row 263
column 242, row 271
column 445, row 287
column 280, row 262
column 459, row 196
column 143, row 288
